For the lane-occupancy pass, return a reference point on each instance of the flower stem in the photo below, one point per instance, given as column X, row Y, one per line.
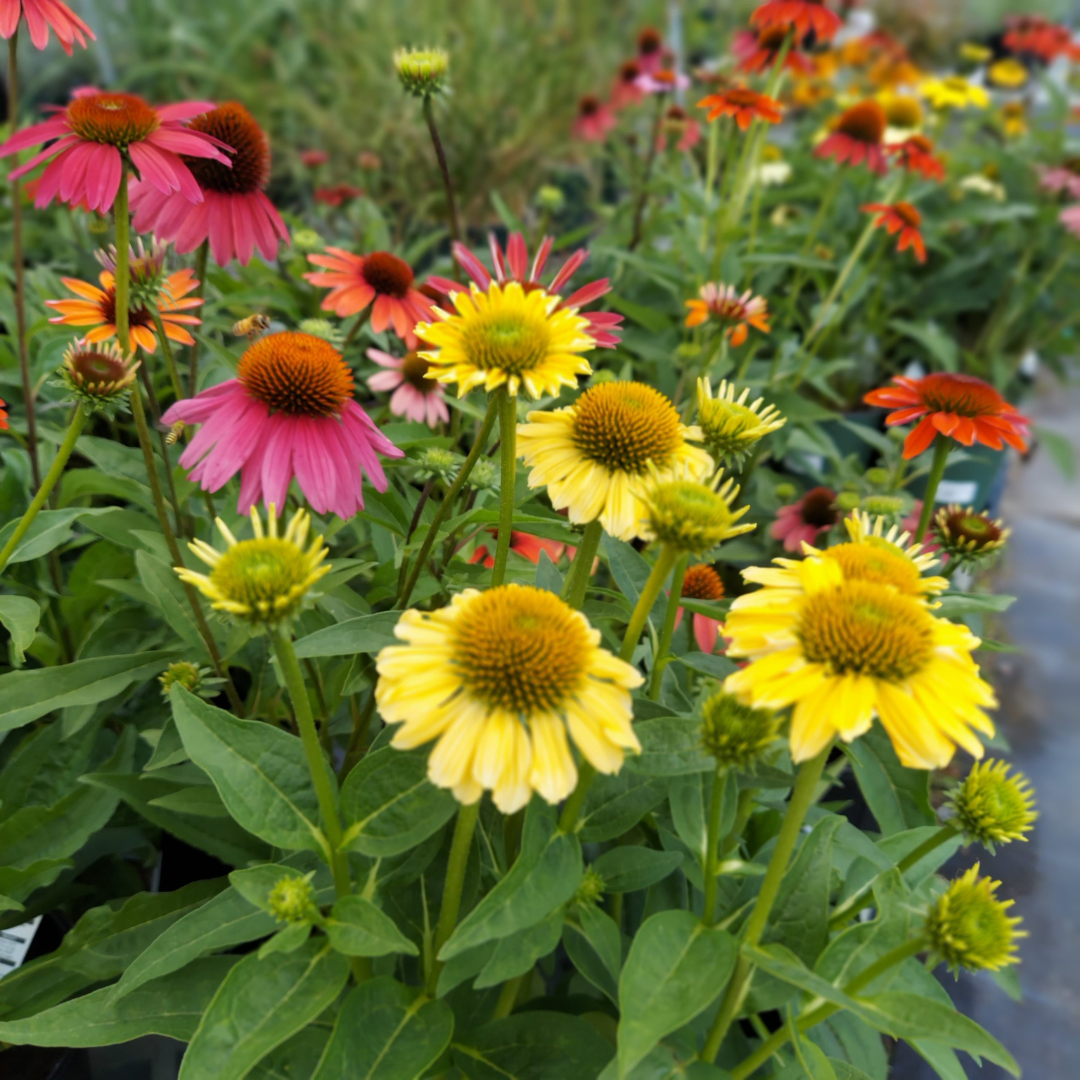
column 200, row 288
column 507, row 481
column 712, row 845
column 577, row 581
column 664, row 645
column 458, row 862
column 661, row 568
column 46, row 486
column 451, row 497
column 440, row 154
column 942, row 446
column 802, row 796
column 20, row 271
column 646, row 175
column 166, row 348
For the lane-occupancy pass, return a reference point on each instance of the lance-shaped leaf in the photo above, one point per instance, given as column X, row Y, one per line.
column 356, row 927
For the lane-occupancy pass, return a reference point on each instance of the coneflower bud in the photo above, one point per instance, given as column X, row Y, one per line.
column 423, row 72
column 322, row 328
column 591, row 889
column 969, row 927
column 967, row 536
column 729, row 426
column 691, row 517
column 991, row 806
column 440, row 462
column 292, row 900
column 735, row 734
column 98, row 375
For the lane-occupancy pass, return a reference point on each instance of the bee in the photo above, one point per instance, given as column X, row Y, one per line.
column 252, row 326
column 174, row 433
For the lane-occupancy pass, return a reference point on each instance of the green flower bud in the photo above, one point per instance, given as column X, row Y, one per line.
column 602, row 375
column 182, row 673
column 991, row 806
column 437, row 461
column 292, row 900
column 878, row 477
column 886, row 506
column 691, row 517
column 484, row 475
column 785, row 492
column 848, row 501
column 736, row 734
column 730, row 427
column 322, row 328
column 307, row 240
column 98, row 375
column 550, row 198
column 423, row 72
column 591, row 889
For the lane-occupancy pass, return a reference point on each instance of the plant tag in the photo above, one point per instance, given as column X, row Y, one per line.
column 957, row 491
column 15, row 943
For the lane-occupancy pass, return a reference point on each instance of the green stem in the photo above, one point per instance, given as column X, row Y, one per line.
column 200, row 289
column 664, row 646
column 451, row 497
column 155, row 416
column 458, row 862
column 743, row 809
column 661, row 568
column 577, row 580
column 166, row 348
column 356, row 326
column 571, row 810
column 45, row 487
column 646, row 176
column 20, row 270
column 444, row 168
column 507, row 481
column 802, row 797
column 942, row 446
column 822, row 1012
column 123, row 265
column 712, row 845
column 811, row 237
column 507, row 997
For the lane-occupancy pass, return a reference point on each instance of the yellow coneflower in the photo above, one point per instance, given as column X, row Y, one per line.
column 954, row 92
column 505, row 680
column 503, row 335
column 594, row 455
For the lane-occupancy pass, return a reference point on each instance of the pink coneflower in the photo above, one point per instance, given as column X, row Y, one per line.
column 702, row 582
column 815, row 513
column 513, row 265
column 314, row 158
column 594, row 119
column 289, row 413
column 90, row 135
column 678, row 128
column 1070, row 218
column 626, row 90
column 41, row 15
column 1065, row 177
column 380, row 279
column 650, row 49
column 337, row 194
column 415, row 396
column 234, row 213
column 858, row 138
column 662, row 81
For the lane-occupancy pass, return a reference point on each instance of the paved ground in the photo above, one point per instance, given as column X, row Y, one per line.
column 1040, row 716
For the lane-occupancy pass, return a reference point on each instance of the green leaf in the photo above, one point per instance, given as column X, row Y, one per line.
column 50, row 529
column 286, row 941
column 940, row 346
column 676, row 968
column 386, row 1031
column 366, row 634
column 843, row 1070
column 296, row 1058
column 547, row 575
column 532, row 1046
column 1060, row 448
column 260, row 772
column 356, row 927
column 716, row 667
column 516, row 954
column 20, row 615
column 898, row 798
column 629, row 868
column 171, row 1007
column 260, row 1004
column 617, row 803
column 594, row 945
column 390, row 806
column 955, row 604
column 29, row 695
column 544, row 877
column 670, row 746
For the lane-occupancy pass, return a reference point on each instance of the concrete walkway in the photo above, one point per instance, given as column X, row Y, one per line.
column 1040, row 716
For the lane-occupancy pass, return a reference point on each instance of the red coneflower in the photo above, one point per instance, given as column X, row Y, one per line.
column 916, row 154
column 87, row 140
column 337, row 194
column 234, row 213
column 1040, row 37
column 802, row 16
column 900, row 218
column 626, row 90
column 744, row 105
column 757, row 52
column 960, row 407
column 857, row 138
column 736, row 313
column 380, row 278
column 594, row 119
column 650, row 49
column 314, row 158
column 41, row 15
column 513, row 265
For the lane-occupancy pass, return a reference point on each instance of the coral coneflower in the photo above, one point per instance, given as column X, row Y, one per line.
column 527, row 546
column 3, row 415
column 380, row 279
column 802, row 16
column 626, row 90
column 1037, row 36
column 505, row 680
column 857, row 138
column 757, row 52
column 594, row 119
column 97, row 308
column 916, row 154
column 290, row 412
column 234, row 214
column 87, row 141
column 41, row 16
column 513, row 265
column 961, row 407
column 415, row 396
column 702, row 582
column 804, row 521
column 662, row 81
column 734, row 312
column 900, row 218
column 743, row 105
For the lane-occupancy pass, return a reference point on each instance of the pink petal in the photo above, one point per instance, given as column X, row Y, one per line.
column 184, row 110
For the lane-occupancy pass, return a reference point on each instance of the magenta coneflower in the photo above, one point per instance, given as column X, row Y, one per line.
column 594, row 119
column 513, row 265
column 91, row 133
column 650, row 48
column 289, row 413
column 41, row 15
column 815, row 513
column 1065, row 177
column 415, row 396
column 234, row 213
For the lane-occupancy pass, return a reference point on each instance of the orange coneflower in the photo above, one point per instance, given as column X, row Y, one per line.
column 802, row 16
column 757, row 52
column 916, row 154
column 960, row 407
column 1039, row 37
column 737, row 313
column 900, row 218
column 97, row 309
column 3, row 415
column 858, row 137
column 744, row 105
